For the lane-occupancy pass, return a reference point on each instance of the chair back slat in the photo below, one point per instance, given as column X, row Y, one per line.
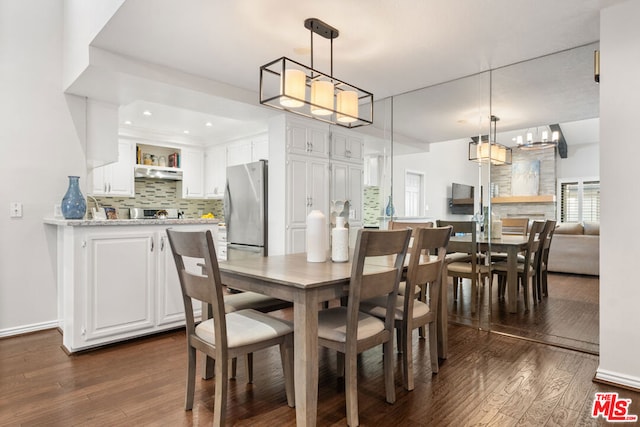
column 205, row 287
column 379, row 279
column 515, row 226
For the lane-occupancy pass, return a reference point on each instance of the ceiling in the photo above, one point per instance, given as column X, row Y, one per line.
column 389, row 48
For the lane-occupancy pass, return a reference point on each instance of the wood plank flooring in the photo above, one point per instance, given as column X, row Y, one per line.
column 488, row 379
column 568, row 317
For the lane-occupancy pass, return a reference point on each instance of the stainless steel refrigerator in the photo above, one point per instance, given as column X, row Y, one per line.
column 245, row 210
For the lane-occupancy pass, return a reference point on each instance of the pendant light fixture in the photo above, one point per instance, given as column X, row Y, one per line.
column 485, row 150
column 288, row 85
column 541, row 139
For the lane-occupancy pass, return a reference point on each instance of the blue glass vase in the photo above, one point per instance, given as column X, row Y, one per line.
column 73, row 204
column 389, row 210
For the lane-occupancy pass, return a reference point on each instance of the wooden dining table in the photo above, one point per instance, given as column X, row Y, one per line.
column 512, row 245
column 306, row 284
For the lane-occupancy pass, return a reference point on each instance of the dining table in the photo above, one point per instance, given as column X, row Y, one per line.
column 509, row 244
column 307, row 284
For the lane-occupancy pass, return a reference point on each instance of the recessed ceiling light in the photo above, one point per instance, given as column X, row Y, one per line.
column 208, row 124
column 186, row 132
column 128, row 122
column 146, row 113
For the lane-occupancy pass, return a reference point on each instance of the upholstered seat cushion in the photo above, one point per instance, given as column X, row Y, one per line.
column 402, row 289
column 245, row 300
column 465, row 268
column 246, row 327
column 332, row 324
column 377, row 307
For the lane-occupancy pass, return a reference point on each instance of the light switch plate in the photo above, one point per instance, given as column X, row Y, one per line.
column 15, row 210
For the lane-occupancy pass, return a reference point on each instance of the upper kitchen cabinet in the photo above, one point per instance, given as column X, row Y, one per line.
column 346, row 147
column 307, row 138
column 248, row 150
column 215, row 171
column 115, row 179
column 192, row 184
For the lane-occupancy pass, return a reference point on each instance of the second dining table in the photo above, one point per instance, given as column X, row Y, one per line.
column 306, row 284
column 512, row 245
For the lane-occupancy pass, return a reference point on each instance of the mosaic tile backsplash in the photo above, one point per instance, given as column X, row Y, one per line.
column 155, row 193
column 371, row 208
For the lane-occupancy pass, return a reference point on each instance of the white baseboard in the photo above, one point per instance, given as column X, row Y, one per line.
column 615, row 378
column 28, row 328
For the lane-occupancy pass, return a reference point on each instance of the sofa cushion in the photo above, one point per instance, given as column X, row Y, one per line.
column 569, row 228
column 592, row 228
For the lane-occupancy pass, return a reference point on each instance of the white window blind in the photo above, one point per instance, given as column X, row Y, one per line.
column 580, row 201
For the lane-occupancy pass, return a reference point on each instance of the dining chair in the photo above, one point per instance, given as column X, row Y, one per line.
column 526, row 268
column 226, row 335
column 426, row 263
column 542, row 258
column 464, row 262
column 414, row 226
column 515, row 226
column 350, row 331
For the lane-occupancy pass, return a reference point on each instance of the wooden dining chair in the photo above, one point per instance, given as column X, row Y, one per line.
column 426, row 263
column 542, row 258
column 414, row 226
column 226, row 335
column 465, row 263
column 350, row 331
column 515, row 226
column 526, row 268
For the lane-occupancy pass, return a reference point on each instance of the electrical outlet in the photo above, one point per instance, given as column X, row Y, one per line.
column 15, row 210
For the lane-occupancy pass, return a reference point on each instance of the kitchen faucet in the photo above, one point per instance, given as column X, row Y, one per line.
column 95, row 213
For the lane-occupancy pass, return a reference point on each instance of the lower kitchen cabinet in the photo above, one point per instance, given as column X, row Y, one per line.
column 118, row 282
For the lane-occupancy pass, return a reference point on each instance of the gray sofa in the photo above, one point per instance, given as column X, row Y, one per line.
column 575, row 248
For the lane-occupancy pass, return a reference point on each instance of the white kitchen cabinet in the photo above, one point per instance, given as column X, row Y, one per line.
column 192, row 164
column 215, row 171
column 116, row 282
column 120, row 274
column 260, row 149
column 239, row 152
column 346, row 147
column 346, row 184
column 116, row 179
column 307, row 190
column 307, row 139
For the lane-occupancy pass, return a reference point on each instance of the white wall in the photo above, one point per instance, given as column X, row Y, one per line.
column 620, row 194
column 444, row 163
column 39, row 149
column 583, row 160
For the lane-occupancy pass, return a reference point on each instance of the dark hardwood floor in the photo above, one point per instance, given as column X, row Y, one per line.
column 568, row 317
column 488, row 379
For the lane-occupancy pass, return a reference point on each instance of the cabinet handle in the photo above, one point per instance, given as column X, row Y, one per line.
column 347, row 153
column 84, row 244
column 161, row 243
column 310, row 201
column 104, row 187
column 152, row 244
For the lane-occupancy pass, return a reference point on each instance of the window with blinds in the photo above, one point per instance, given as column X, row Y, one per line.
column 579, row 200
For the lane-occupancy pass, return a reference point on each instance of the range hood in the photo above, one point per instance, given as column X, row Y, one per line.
column 158, row 172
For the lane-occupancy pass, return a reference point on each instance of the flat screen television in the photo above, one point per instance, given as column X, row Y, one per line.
column 461, row 199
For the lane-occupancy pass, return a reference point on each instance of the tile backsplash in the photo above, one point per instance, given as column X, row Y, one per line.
column 157, row 193
column 371, row 206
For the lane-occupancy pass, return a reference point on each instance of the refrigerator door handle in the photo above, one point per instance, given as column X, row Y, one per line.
column 227, row 204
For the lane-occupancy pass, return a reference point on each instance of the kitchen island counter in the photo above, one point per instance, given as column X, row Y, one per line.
column 101, row 222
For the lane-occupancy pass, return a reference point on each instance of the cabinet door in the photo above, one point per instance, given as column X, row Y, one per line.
column 297, row 139
column 319, row 142
column 296, row 240
column 215, row 171
column 120, row 285
column 297, row 197
column 99, row 181
column 347, row 185
column 307, row 140
column 346, row 147
column 121, row 179
column 260, row 150
column 318, row 185
column 238, row 153
column 193, row 173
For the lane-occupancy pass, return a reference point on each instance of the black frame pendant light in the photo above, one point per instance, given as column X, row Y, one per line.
column 291, row 86
column 482, row 149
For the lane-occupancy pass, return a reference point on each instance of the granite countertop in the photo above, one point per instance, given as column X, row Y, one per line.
column 107, row 222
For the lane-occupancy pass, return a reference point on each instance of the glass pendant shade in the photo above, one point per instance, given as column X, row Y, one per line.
column 293, row 86
column 321, row 98
column 347, row 107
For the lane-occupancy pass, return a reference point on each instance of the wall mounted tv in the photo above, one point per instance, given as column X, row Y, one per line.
column 461, row 199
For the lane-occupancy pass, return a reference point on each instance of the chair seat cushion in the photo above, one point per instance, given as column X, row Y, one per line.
column 246, row 327
column 377, row 307
column 502, row 267
column 402, row 289
column 332, row 325
column 253, row 300
column 465, row 268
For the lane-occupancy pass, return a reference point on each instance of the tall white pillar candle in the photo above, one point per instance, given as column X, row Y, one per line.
column 317, row 236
